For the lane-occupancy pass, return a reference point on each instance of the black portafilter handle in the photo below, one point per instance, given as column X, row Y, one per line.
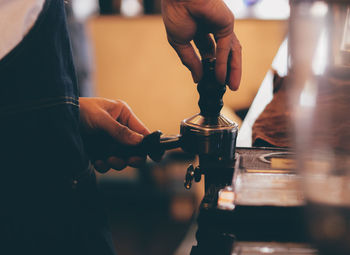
column 210, row 91
column 100, row 146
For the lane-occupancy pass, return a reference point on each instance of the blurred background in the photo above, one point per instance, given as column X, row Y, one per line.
column 121, row 52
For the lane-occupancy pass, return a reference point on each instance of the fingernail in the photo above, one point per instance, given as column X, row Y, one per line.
column 195, row 77
column 233, row 88
column 233, row 84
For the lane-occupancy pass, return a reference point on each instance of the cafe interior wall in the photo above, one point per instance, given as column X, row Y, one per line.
column 135, row 63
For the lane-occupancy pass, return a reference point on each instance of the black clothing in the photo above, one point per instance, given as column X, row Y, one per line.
column 49, row 199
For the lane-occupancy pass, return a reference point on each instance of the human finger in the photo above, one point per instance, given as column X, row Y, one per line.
column 205, row 45
column 101, row 166
column 116, row 163
column 189, row 58
column 120, row 132
column 223, row 48
column 235, row 65
column 128, row 118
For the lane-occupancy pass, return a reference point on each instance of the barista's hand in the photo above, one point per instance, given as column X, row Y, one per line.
column 117, row 120
column 187, row 20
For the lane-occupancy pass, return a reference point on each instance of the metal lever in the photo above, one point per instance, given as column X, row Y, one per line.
column 192, row 173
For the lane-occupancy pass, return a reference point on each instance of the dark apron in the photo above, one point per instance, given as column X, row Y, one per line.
column 49, row 199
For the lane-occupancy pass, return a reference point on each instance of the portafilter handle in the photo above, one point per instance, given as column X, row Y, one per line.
column 154, row 145
column 102, row 146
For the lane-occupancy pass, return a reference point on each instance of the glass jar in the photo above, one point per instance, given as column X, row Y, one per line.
column 319, row 83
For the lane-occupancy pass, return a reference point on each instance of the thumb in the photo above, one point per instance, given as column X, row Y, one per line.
column 122, row 134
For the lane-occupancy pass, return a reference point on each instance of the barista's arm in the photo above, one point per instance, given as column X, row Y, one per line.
column 116, row 119
column 187, row 20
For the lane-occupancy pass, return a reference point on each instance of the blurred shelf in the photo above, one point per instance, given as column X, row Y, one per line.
column 259, row 9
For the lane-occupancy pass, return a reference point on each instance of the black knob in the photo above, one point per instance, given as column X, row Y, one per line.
column 192, row 173
column 210, row 91
column 189, row 177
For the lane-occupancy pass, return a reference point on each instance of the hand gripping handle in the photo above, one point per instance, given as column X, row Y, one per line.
column 102, row 146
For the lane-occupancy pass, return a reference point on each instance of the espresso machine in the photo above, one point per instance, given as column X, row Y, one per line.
column 248, row 201
column 212, row 137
